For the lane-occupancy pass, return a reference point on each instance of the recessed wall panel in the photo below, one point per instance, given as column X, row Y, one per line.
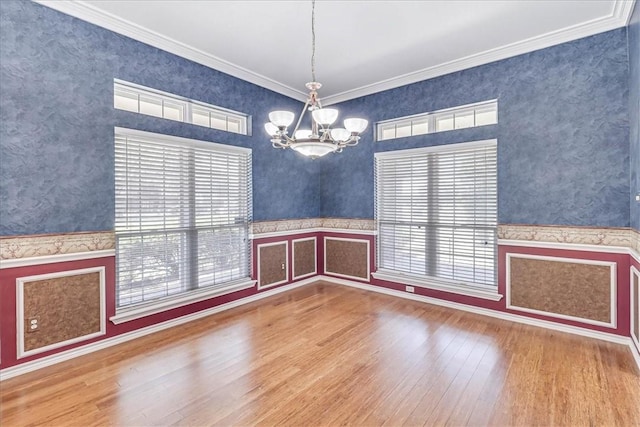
column 304, row 257
column 581, row 290
column 59, row 309
column 273, row 264
column 347, row 257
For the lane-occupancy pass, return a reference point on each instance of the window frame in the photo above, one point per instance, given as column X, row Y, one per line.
column 186, row 106
column 432, row 120
column 193, row 293
column 483, row 291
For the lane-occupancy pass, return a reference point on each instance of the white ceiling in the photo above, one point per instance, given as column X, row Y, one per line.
column 362, row 46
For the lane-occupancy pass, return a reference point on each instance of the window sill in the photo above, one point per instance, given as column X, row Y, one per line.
column 158, row 306
column 427, row 283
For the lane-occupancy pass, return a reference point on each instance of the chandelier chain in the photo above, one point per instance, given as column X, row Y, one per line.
column 313, row 40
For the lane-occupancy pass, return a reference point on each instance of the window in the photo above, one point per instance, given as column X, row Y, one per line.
column 139, row 99
column 436, row 210
column 183, row 210
column 466, row 116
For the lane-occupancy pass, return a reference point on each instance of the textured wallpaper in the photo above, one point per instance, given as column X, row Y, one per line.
column 634, row 113
column 563, row 134
column 57, row 120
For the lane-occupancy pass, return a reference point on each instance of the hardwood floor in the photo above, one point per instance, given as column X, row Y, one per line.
column 331, row 355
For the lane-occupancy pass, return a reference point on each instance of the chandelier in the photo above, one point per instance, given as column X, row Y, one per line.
column 321, row 139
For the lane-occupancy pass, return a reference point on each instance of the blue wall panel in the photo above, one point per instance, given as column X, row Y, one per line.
column 563, row 150
column 57, row 120
column 634, row 113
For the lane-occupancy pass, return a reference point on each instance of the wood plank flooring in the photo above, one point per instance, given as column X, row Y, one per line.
column 330, row 355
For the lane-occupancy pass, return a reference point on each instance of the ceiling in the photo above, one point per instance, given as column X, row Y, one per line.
column 362, row 47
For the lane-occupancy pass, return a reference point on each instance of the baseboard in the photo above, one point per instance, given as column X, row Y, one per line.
column 53, row 359
column 575, row 330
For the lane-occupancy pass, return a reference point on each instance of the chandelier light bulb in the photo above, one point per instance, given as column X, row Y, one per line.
column 302, row 134
column 355, row 125
column 314, row 149
column 325, row 116
column 281, row 118
column 271, row 129
column 340, row 134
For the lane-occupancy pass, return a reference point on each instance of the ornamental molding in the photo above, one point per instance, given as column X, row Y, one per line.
column 603, row 236
column 635, row 241
column 312, row 224
column 18, row 247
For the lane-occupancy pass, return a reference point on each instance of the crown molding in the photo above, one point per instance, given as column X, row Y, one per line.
column 619, row 17
column 88, row 13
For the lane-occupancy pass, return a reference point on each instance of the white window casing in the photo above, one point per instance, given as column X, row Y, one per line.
column 465, row 116
column 143, row 100
column 436, row 213
column 183, row 210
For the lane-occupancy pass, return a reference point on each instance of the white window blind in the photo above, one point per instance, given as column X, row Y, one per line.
column 183, row 210
column 436, row 210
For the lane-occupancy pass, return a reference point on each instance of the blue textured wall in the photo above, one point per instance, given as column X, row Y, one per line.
column 563, row 134
column 57, row 120
column 634, row 113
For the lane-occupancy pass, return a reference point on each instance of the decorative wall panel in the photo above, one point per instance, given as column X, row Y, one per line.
column 59, row 309
column 273, row 265
column 575, row 289
column 346, row 258
column 304, row 257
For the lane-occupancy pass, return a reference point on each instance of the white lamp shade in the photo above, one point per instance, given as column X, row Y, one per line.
column 340, row 134
column 314, row 149
column 271, row 129
column 355, row 125
column 302, row 134
column 325, row 116
column 281, row 118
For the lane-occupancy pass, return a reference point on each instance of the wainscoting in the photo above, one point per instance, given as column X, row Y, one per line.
column 580, row 280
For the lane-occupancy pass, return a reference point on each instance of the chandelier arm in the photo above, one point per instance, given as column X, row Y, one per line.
column 287, row 141
column 304, row 110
